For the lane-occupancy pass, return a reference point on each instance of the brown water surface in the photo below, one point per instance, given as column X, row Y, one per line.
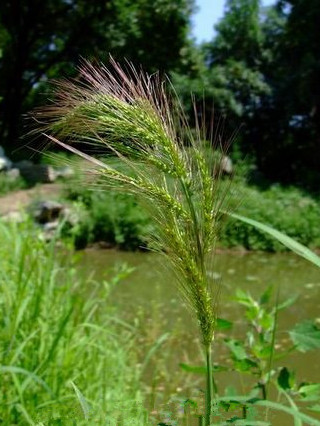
column 151, row 289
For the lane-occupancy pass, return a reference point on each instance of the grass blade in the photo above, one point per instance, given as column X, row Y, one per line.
column 82, row 401
column 284, row 239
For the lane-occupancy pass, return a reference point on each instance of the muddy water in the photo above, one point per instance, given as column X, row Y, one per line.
column 150, row 288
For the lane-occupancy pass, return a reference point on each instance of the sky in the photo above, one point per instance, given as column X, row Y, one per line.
column 208, row 14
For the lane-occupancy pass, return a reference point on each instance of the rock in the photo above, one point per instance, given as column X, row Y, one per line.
column 49, row 230
column 50, row 227
column 47, row 211
column 36, row 173
column 5, row 163
column 64, row 172
column 70, row 216
column 13, row 174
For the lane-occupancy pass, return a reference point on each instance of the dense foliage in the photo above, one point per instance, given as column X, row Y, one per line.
column 260, row 70
column 44, row 40
column 120, row 221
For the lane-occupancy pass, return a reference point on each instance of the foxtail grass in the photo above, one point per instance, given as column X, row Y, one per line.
column 173, row 170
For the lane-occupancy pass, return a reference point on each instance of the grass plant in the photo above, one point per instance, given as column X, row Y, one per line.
column 59, row 341
column 169, row 167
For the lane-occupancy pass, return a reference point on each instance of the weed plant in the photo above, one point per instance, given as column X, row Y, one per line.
column 59, row 341
column 168, row 166
column 171, row 171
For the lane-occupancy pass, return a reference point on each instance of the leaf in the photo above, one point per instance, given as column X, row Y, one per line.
column 284, row 239
column 275, row 406
column 285, row 379
column 244, row 298
column 237, row 349
column 17, row 370
column 223, row 324
column 82, row 401
column 265, row 298
column 310, row 392
column 287, row 303
column 306, row 336
column 245, row 364
column 198, row 369
column 315, row 408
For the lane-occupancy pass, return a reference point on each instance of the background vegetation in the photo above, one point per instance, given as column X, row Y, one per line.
column 121, row 221
column 260, row 70
column 58, row 341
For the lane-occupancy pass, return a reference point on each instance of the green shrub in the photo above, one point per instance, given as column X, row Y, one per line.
column 120, row 220
column 8, row 184
column 285, row 209
column 109, row 216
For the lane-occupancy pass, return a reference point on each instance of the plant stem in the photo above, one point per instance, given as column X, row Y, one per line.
column 209, row 385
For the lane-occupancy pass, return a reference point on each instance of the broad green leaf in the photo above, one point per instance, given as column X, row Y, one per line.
column 223, row 324
column 285, row 379
column 244, row 364
column 284, row 239
column 310, row 392
column 237, row 348
column 244, row 298
column 306, row 336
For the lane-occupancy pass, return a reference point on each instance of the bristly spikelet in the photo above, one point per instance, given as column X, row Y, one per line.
column 130, row 114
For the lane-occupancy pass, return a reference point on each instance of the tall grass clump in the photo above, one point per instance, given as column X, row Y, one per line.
column 164, row 163
column 58, row 341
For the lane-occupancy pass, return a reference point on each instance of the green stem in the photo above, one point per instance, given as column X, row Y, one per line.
column 209, row 385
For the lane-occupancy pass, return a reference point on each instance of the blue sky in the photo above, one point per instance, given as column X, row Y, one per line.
column 209, row 13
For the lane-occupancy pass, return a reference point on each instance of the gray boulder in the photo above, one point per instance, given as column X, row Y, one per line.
column 13, row 174
column 36, row 173
column 47, row 211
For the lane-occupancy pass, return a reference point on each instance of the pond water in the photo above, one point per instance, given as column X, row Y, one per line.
column 151, row 289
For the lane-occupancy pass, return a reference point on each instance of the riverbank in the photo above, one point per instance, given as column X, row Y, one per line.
column 107, row 219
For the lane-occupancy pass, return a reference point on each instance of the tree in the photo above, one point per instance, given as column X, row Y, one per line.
column 230, row 80
column 239, row 36
column 41, row 40
column 301, row 57
column 287, row 123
